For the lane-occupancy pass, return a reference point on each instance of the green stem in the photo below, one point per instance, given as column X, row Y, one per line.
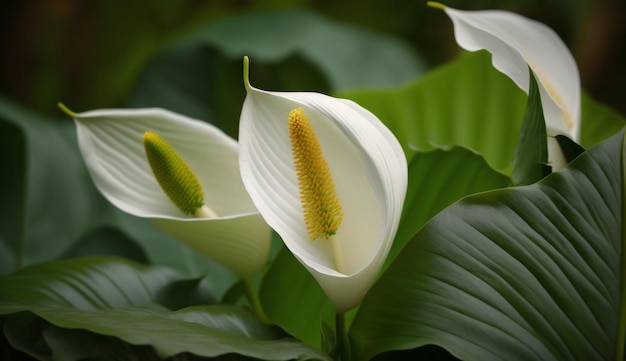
column 254, row 300
column 343, row 345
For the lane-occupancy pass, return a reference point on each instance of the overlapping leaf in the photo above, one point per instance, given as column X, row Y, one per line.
column 525, row 273
column 113, row 297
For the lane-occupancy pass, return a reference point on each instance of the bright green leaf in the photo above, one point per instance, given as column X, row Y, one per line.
column 468, row 103
column 464, row 103
column 598, row 122
column 525, row 273
column 293, row 300
column 438, row 179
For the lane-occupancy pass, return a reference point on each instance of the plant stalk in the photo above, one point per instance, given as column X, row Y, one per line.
column 342, row 347
column 254, row 300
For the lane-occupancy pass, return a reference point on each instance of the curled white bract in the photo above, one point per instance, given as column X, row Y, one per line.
column 517, row 43
column 369, row 171
column 110, row 142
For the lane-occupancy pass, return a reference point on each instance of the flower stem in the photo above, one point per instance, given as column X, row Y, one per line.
column 342, row 348
column 254, row 300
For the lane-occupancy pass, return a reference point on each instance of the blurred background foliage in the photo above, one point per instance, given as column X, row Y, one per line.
column 186, row 56
column 90, row 54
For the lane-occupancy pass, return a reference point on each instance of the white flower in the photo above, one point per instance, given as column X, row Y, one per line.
column 517, row 43
column 336, row 159
column 232, row 232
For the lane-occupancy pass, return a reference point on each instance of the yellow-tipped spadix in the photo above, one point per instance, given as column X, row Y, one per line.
column 322, row 210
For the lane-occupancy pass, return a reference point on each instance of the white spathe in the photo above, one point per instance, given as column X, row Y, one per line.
column 110, row 142
column 370, row 176
column 517, row 43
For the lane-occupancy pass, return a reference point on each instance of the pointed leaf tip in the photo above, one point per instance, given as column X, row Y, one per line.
column 246, row 72
column 436, row 5
column 66, row 110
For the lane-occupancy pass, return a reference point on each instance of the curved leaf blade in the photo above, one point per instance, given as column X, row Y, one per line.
column 524, row 273
column 114, row 297
column 270, row 36
column 463, row 103
column 92, row 283
column 436, row 180
column 207, row 331
column 468, row 103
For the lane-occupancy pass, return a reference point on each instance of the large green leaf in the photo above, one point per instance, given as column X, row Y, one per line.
column 468, row 103
column 525, row 273
column 202, row 330
column 464, row 103
column 114, row 297
column 58, row 202
column 91, row 283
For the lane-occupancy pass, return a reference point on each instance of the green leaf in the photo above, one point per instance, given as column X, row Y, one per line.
column 50, row 209
column 468, row 103
column 90, row 283
column 525, row 273
column 292, row 299
column 598, row 122
column 463, row 103
column 438, row 179
column 207, row 331
column 531, row 155
column 114, row 297
column 355, row 58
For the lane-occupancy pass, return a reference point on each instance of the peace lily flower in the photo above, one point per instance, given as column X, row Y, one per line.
column 181, row 173
column 517, row 43
column 329, row 178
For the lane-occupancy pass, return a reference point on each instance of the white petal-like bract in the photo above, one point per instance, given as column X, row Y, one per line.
column 110, row 141
column 369, row 171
